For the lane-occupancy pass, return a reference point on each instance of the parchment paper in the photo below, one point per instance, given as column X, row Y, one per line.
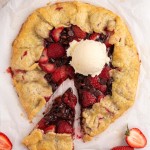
column 13, row 121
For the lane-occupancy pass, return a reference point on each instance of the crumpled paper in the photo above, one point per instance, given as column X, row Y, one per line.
column 13, row 121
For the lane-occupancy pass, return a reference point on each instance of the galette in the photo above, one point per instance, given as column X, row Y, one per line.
column 84, row 43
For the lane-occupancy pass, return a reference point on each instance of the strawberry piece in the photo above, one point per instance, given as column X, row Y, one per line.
column 94, row 36
column 135, row 138
column 64, row 127
column 70, row 71
column 88, row 99
column 5, row 143
column 56, row 33
column 70, row 99
column 122, row 148
column 48, row 68
column 42, row 124
column 62, row 73
column 94, row 81
column 44, row 57
column 55, row 50
column 51, row 128
column 105, row 73
column 78, row 32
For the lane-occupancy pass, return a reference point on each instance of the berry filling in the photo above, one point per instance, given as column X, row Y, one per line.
column 55, row 63
column 60, row 118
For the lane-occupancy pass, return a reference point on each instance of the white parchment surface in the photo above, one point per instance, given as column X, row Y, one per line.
column 13, row 121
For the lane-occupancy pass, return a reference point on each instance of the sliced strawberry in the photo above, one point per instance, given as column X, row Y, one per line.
column 105, row 73
column 94, row 36
column 55, row 50
column 48, row 68
column 70, row 99
column 64, row 127
column 44, row 57
column 56, row 33
column 135, row 138
column 78, row 32
column 50, row 128
column 5, row 143
column 122, row 148
column 88, row 99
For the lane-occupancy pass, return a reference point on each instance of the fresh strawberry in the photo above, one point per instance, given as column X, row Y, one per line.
column 44, row 57
column 70, row 99
column 94, row 36
column 48, row 68
column 122, row 148
column 5, row 143
column 62, row 73
column 55, row 50
column 135, row 138
column 64, row 127
column 50, row 128
column 78, row 32
column 105, row 73
column 88, row 99
column 56, row 33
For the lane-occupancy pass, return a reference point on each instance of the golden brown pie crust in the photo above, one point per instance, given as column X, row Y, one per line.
column 89, row 18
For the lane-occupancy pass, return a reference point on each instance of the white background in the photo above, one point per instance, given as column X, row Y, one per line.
column 13, row 121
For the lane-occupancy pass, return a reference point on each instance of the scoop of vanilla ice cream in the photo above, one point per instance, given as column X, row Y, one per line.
column 88, row 57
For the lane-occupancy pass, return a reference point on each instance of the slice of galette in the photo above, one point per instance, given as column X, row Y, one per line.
column 55, row 130
column 88, row 44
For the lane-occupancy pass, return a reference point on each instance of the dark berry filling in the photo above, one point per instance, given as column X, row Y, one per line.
column 60, row 118
column 55, row 63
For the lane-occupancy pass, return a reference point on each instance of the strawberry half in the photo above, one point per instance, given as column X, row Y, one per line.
column 44, row 57
column 5, row 143
column 48, row 68
column 122, row 148
column 64, row 127
column 78, row 32
column 55, row 50
column 135, row 138
column 56, row 33
column 88, row 99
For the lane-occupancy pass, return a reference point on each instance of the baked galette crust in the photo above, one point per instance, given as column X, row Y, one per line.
column 50, row 141
column 89, row 18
